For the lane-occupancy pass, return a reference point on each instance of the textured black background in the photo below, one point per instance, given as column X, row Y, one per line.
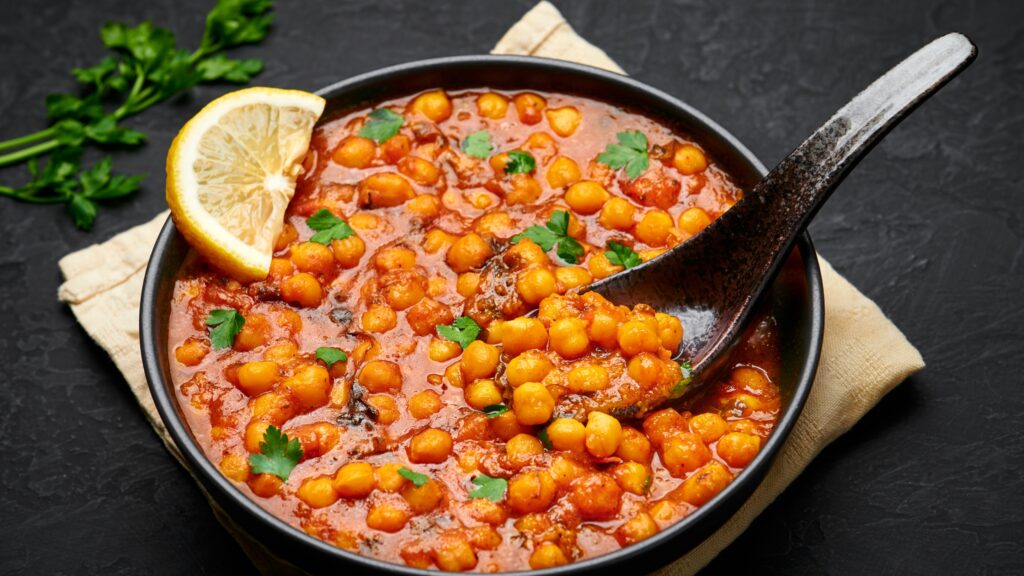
column 929, row 226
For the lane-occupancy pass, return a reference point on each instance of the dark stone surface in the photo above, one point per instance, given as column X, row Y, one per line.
column 931, row 226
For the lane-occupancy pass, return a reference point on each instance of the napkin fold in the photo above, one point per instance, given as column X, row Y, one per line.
column 863, row 357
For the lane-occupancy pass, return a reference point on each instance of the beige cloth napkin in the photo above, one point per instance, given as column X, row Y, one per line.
column 863, row 357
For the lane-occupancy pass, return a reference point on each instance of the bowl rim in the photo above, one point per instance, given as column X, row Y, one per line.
column 746, row 481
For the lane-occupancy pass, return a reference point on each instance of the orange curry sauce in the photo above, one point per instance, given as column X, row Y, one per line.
column 433, row 241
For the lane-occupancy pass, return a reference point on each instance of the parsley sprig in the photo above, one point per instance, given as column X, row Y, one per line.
column 330, row 356
column 555, row 232
column 495, row 410
column 520, row 162
column 416, row 478
column 462, row 331
column 145, row 68
column 490, row 488
column 478, row 145
column 630, row 153
column 224, row 326
column 685, row 378
column 622, row 255
column 278, row 455
column 328, row 226
column 383, row 124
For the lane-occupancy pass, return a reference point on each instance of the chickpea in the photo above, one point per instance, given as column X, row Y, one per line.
column 531, row 492
column 492, row 105
column 710, row 426
column 654, row 228
column 395, row 258
column 312, row 257
column 354, row 480
column 596, row 496
column 670, row 331
column 600, row 267
column 386, row 407
column 289, row 320
column 617, row 214
column 693, row 220
column 484, row 510
column 437, row 240
column 191, row 352
column 683, row 453
column 532, row 403
column 505, row 426
column 659, row 425
column 419, row 170
column 255, row 378
column 705, row 483
column 588, row 378
column 563, row 172
column 454, row 554
column 479, row 360
column 387, row 516
column 287, row 235
column 423, row 499
column 525, row 190
column 750, row 379
column 468, row 252
column 311, row 385
column 364, row 221
column 302, row 289
column 603, row 330
column 379, row 376
column 265, row 485
column 521, row 450
column 435, row 105
column 633, row 477
column 634, row 446
column 738, row 449
column 567, row 434
column 389, row 479
column 467, row 283
column 521, row 334
column 424, row 207
column 640, row 527
column 235, row 467
column 570, row 277
column 529, row 107
column 586, row 197
column 383, row 190
column 564, row 121
column 255, row 333
column 317, row 492
column 482, row 393
column 535, row 285
column 404, row 293
column 442, row 350
column 280, row 268
column 645, row 368
column 568, row 337
column 689, row 160
column 527, row 367
column 547, row 555
column 495, row 225
column 355, row 152
column 432, row 446
column 635, row 337
column 254, row 432
column 565, row 470
column 274, row 407
column 379, row 318
column 424, row 404
column 604, row 434
column 395, row 148
column 426, row 314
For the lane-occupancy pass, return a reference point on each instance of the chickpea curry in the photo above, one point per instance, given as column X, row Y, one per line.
column 386, row 389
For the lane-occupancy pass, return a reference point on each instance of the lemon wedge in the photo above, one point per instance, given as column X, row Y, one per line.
column 231, row 172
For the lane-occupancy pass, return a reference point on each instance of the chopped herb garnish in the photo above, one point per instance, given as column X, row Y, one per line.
column 491, row 488
column 383, row 124
column 647, row 484
column 478, row 144
column 556, row 232
column 224, row 326
column 630, row 153
column 544, row 438
column 495, row 410
column 520, row 162
column 462, row 331
column 330, row 356
column 416, row 478
column 685, row 378
column 622, row 255
column 278, row 454
column 329, row 227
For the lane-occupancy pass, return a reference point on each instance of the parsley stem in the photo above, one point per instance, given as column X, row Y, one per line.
column 26, row 153
column 30, row 197
column 16, row 142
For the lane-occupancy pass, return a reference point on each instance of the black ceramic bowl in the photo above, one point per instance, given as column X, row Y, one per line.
column 795, row 299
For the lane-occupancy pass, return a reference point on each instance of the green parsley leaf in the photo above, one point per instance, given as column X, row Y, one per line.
column 491, row 488
column 220, row 67
column 520, row 162
column 462, row 331
column 225, row 325
column 330, row 356
column 647, row 483
column 685, row 378
column 383, row 124
column 106, row 131
column 82, row 210
column 278, row 454
column 556, row 232
column 329, row 227
column 495, row 410
column 545, row 440
column 234, row 22
column 478, row 144
column 622, row 255
column 630, row 153
column 415, row 477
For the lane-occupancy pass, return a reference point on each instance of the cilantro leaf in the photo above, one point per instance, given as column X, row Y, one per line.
column 278, row 454
column 495, row 410
column 225, row 325
column 383, row 124
column 462, row 331
column 630, row 153
column 555, row 232
column 330, row 356
column 544, row 438
column 685, row 378
column 106, row 131
column 329, row 227
column 520, row 162
column 478, row 144
column 622, row 255
column 492, row 489
column 415, row 477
